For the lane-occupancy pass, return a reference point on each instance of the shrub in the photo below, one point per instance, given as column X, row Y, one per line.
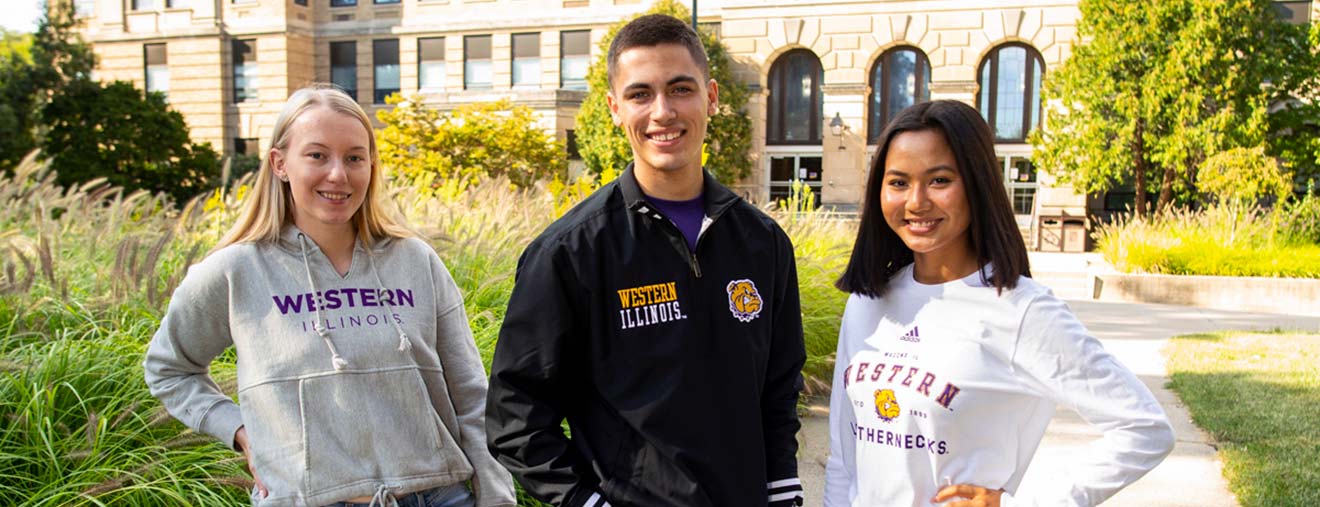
column 1243, row 176
column 494, row 139
column 1220, row 240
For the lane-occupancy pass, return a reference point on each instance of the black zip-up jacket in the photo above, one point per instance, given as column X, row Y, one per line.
column 678, row 372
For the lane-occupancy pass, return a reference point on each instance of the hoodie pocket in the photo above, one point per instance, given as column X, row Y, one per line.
column 376, row 426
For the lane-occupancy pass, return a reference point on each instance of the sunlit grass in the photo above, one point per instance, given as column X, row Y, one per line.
column 1258, row 395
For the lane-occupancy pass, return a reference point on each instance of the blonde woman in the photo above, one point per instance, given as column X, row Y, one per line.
column 358, row 380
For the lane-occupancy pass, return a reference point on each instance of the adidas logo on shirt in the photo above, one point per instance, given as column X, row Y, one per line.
column 911, row 336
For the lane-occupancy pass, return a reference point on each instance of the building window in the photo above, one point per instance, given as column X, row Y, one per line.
column 343, row 3
column 574, row 58
column 249, row 146
column 795, row 99
column 150, row 5
column 431, row 64
column 84, row 8
column 476, row 62
column 300, row 2
column 787, row 169
column 343, row 66
column 526, row 60
column 1020, row 178
column 1010, row 91
column 900, row 78
column 1297, row 13
column 571, row 145
column 158, row 69
column 245, row 70
column 385, row 58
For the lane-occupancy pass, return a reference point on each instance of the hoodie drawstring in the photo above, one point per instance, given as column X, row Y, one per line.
column 383, row 497
column 336, row 360
column 404, row 343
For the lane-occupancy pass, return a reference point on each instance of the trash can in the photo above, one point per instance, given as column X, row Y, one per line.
column 1049, row 234
column 1074, row 236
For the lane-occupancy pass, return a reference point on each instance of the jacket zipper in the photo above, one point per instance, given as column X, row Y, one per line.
column 680, row 243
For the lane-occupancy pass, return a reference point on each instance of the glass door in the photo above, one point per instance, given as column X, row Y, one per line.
column 788, row 169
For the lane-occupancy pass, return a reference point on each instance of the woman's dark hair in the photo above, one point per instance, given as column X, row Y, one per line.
column 879, row 252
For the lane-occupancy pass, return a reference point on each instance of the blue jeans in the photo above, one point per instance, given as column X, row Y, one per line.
column 454, row 495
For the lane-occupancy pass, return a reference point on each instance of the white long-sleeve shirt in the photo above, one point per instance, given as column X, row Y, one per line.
column 955, row 383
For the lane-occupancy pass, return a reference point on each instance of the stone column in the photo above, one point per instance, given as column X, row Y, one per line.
column 843, row 157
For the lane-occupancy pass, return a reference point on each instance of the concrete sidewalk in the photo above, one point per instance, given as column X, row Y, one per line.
column 1136, row 334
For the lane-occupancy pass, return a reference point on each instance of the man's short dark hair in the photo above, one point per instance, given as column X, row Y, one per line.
column 654, row 30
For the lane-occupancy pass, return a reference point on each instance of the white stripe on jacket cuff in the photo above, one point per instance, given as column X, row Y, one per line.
column 785, row 489
column 596, row 501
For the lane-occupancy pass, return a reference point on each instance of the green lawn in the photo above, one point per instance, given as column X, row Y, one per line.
column 1258, row 395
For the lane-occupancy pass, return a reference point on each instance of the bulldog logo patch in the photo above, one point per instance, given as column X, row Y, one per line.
column 744, row 300
column 886, row 405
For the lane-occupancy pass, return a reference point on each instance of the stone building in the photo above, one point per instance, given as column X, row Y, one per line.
column 826, row 75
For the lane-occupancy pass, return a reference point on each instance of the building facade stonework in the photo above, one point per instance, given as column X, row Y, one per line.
column 816, row 67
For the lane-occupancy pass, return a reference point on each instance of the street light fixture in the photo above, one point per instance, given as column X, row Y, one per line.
column 837, row 127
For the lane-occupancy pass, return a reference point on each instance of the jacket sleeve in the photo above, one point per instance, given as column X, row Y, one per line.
column 194, row 331
column 1056, row 356
column 529, row 386
column 841, row 467
column 783, row 382
column 465, row 379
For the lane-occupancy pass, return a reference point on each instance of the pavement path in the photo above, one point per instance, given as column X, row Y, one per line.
column 1135, row 333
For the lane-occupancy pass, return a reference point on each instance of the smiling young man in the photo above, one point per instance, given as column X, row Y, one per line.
column 659, row 317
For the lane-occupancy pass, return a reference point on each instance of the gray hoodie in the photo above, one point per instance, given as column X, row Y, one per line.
column 348, row 385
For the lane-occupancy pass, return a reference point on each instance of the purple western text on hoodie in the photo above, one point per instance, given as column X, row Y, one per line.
column 343, row 298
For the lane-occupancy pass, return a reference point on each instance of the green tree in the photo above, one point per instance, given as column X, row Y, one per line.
column 17, row 96
column 15, row 45
column 32, row 70
column 728, row 135
column 1156, row 88
column 134, row 141
column 475, row 140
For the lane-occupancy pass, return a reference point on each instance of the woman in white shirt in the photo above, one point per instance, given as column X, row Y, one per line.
column 951, row 359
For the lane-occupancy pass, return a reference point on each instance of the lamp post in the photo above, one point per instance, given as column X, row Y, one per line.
column 694, row 16
column 837, row 127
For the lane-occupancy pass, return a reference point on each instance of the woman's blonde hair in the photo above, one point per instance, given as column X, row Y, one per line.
column 269, row 205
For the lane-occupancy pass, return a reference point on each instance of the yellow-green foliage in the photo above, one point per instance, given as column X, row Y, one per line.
column 566, row 195
column 822, row 243
column 1243, row 175
column 1222, row 240
column 15, row 46
column 489, row 139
